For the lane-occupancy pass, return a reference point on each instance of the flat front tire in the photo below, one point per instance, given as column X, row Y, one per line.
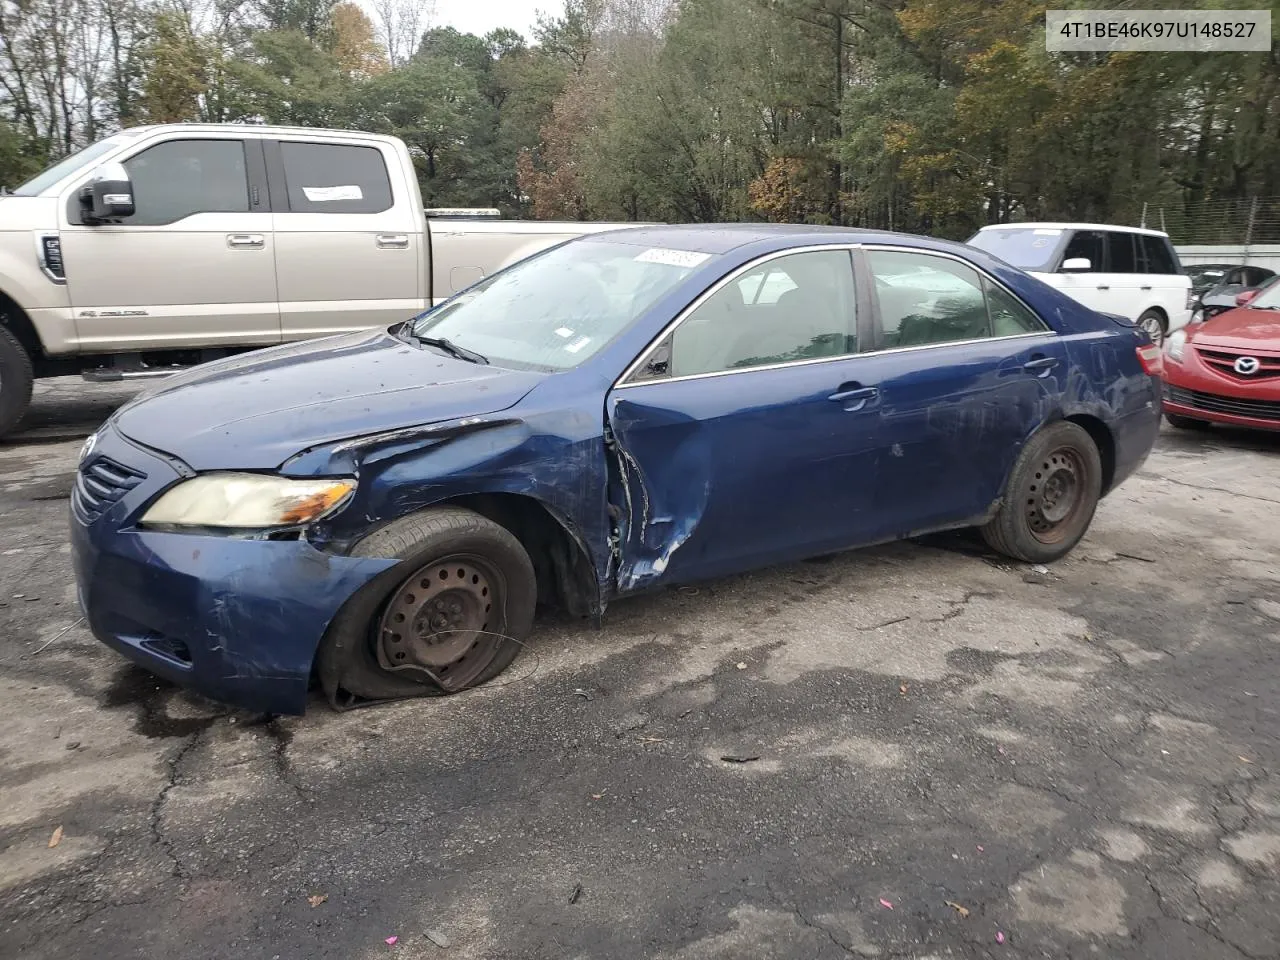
column 451, row 616
column 16, row 377
column 1051, row 496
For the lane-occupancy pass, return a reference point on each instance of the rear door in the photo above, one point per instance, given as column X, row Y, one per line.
column 193, row 266
column 348, row 237
column 747, row 435
column 1131, row 288
column 963, row 377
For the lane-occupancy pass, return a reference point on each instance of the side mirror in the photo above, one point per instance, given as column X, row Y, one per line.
column 108, row 196
column 1077, row 265
column 1244, row 296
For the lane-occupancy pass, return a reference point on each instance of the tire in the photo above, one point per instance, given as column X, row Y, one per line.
column 1154, row 324
column 16, row 377
column 1186, row 423
column 1031, row 524
column 360, row 650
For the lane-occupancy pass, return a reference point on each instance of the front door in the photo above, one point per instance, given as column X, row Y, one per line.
column 965, row 373
column 1092, row 287
column 748, row 436
column 348, row 237
column 193, row 266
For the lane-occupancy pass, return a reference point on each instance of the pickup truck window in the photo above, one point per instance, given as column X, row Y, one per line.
column 177, row 178
column 331, row 178
column 555, row 309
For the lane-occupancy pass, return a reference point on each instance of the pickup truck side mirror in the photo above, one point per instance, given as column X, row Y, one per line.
column 1077, row 265
column 108, row 196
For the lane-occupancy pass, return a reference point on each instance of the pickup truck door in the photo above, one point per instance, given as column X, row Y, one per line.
column 349, row 236
column 192, row 266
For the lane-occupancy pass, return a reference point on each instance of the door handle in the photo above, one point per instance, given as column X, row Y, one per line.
column 1040, row 364
column 392, row 241
column 1103, row 286
column 855, row 396
column 1147, row 287
column 243, row 240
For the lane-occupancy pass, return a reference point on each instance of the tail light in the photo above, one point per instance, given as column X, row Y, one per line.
column 1193, row 299
column 1152, row 360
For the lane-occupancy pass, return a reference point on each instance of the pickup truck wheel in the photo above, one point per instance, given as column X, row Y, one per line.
column 453, row 615
column 16, row 377
column 1153, row 324
column 1052, row 494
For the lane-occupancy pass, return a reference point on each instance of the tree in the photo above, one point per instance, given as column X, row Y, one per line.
column 178, row 70
column 354, row 43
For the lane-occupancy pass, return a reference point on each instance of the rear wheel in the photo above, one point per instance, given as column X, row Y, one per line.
column 453, row 615
column 1153, row 323
column 1186, row 423
column 1052, row 494
column 16, row 377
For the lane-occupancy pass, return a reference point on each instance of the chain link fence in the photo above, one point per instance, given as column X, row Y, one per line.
column 1234, row 222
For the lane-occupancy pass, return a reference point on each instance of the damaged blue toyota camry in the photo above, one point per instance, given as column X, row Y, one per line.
column 380, row 513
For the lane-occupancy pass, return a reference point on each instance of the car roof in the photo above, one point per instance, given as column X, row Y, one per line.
column 718, row 238
column 1074, row 226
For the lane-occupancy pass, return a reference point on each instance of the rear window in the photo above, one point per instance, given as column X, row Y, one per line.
column 1026, row 248
column 1159, row 255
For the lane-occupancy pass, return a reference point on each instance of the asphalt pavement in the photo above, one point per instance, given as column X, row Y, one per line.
column 917, row 750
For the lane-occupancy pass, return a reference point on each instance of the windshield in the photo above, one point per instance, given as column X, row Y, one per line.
column 68, row 165
column 554, row 310
column 1269, row 297
column 1026, row 248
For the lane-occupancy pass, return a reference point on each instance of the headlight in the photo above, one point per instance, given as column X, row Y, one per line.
column 247, row 501
column 1176, row 344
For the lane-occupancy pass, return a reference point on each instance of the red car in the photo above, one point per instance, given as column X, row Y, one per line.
column 1227, row 369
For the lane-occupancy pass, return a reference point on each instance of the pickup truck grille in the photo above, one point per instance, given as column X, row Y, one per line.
column 1224, row 361
column 99, row 484
column 1262, row 409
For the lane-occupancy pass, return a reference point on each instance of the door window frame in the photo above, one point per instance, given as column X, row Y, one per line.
column 862, row 320
column 255, row 173
column 866, row 281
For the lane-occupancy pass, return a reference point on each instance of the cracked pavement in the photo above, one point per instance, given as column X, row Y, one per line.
column 1082, row 761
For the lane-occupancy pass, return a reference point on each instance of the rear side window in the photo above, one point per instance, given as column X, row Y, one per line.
column 332, row 178
column 1158, row 255
column 1090, row 244
column 1120, row 250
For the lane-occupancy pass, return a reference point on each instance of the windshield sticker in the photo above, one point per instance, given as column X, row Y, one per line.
column 672, row 258
column 578, row 344
column 1047, row 233
column 1041, row 242
column 321, row 194
column 564, row 332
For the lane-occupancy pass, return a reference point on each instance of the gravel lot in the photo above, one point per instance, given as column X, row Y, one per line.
column 955, row 757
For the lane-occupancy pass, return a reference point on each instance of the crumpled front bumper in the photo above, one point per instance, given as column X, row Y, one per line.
column 234, row 619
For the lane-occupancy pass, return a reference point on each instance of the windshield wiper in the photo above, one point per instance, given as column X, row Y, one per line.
column 449, row 347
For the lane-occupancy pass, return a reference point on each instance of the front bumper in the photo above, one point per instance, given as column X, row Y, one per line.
column 1193, row 389
column 236, row 620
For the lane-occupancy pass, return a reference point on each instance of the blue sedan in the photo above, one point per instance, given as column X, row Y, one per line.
column 382, row 512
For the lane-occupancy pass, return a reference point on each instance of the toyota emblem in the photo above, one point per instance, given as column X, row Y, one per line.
column 1247, row 366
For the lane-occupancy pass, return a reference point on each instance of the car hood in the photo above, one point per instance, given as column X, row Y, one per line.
column 1242, row 329
column 255, row 411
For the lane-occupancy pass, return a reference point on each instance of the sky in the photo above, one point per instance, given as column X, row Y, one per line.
column 481, row 16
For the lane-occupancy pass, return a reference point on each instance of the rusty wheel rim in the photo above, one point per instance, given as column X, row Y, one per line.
column 1055, row 495
column 436, row 623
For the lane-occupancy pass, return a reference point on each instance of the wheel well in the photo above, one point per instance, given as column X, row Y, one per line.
column 566, row 575
column 1164, row 317
column 17, row 322
column 1105, row 443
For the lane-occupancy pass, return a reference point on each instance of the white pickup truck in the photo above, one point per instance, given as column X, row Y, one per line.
column 165, row 246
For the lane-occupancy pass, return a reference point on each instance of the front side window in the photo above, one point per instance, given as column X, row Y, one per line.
column 926, row 299
column 796, row 307
column 557, row 308
column 333, row 178
column 179, row 178
column 1089, row 244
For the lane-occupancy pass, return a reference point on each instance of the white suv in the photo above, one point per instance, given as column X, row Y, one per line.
column 1127, row 271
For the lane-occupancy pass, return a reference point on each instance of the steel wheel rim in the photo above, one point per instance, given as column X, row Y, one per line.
column 1153, row 329
column 437, row 622
column 1055, row 497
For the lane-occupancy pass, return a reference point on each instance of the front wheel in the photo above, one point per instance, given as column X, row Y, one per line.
column 1052, row 494
column 1153, row 324
column 15, row 381
column 453, row 615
